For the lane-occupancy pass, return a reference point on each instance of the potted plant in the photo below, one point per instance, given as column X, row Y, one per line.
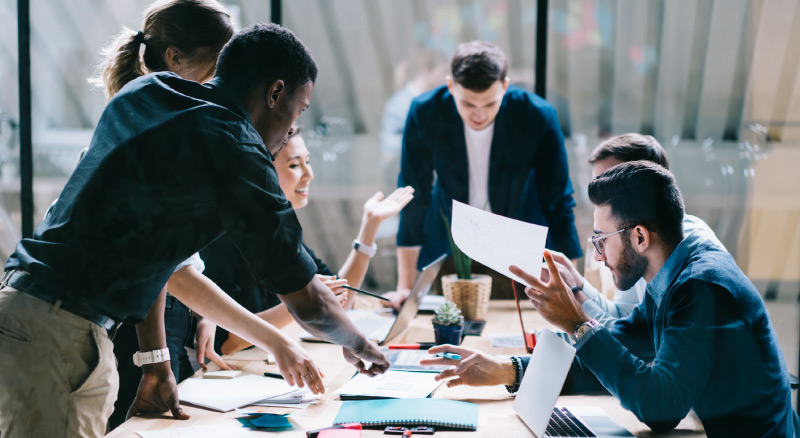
column 469, row 292
column 448, row 324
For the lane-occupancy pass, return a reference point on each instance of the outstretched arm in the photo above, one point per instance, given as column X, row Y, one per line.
column 316, row 309
column 376, row 210
column 158, row 391
column 204, row 297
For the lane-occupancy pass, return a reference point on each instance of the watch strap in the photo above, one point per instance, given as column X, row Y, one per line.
column 149, row 357
column 582, row 329
column 368, row 250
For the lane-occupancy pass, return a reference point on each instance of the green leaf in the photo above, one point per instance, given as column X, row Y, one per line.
column 461, row 261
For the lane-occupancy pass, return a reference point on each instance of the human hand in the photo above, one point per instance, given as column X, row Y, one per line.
column 554, row 300
column 296, row 366
column 336, row 285
column 379, row 208
column 569, row 273
column 158, row 392
column 204, row 344
column 396, row 299
column 475, row 368
column 368, row 353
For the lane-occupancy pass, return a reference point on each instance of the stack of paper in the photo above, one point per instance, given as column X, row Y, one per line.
column 408, row 360
column 228, row 394
column 297, row 399
column 392, row 384
column 252, row 353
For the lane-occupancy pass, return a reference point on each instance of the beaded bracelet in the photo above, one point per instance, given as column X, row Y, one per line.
column 512, row 389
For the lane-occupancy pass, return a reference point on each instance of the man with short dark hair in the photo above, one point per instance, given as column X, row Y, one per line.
column 493, row 146
column 701, row 340
column 172, row 166
column 703, row 322
column 593, row 294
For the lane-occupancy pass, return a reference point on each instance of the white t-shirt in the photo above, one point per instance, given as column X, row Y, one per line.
column 479, row 148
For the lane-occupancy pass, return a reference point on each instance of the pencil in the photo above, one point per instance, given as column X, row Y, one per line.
column 366, row 293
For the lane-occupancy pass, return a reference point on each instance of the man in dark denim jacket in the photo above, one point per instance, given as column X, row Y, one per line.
column 702, row 338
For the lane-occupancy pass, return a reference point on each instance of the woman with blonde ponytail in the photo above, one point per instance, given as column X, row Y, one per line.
column 184, row 37
column 181, row 36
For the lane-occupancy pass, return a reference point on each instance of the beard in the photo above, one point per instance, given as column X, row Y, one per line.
column 630, row 268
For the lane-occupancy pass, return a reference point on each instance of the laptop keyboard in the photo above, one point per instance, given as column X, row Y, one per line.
column 564, row 423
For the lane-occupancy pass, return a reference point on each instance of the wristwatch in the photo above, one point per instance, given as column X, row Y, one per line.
column 369, row 251
column 582, row 329
column 148, row 357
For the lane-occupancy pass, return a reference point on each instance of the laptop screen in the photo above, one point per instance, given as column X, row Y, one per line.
column 541, row 384
column 420, row 289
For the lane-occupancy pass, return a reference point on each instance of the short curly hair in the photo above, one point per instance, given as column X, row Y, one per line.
column 266, row 52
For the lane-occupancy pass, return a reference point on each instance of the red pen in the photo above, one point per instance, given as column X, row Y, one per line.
column 418, row 346
column 314, row 433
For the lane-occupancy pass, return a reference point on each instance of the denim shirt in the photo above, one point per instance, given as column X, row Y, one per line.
column 701, row 340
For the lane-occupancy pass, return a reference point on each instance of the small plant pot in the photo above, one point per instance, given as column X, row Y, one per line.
column 471, row 296
column 447, row 334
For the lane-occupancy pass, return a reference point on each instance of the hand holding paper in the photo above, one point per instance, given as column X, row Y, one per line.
column 498, row 242
column 554, row 300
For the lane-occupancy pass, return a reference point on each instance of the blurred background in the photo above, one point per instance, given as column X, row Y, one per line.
column 715, row 81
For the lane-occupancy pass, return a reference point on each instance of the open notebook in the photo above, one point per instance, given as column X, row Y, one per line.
column 410, row 412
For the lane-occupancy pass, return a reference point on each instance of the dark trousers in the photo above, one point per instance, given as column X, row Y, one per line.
column 178, row 325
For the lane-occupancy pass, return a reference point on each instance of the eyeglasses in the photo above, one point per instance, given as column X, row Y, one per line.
column 597, row 241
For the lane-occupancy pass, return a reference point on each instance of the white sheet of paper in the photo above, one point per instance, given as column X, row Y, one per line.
column 507, row 341
column 391, row 384
column 498, row 242
column 227, row 394
column 229, row 430
column 253, row 353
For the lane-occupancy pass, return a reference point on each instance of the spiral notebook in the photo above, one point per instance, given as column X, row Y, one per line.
column 410, row 412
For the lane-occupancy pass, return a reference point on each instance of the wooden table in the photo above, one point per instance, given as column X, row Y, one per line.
column 496, row 417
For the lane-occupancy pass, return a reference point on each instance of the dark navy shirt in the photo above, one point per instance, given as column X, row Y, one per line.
column 701, row 340
column 172, row 166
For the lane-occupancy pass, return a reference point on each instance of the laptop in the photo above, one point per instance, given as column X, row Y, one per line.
column 382, row 328
column 539, row 390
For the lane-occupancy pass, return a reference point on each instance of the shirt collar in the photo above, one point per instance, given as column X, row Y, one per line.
column 232, row 100
column 672, row 267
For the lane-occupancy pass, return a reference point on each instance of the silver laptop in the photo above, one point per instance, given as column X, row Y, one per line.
column 382, row 328
column 539, row 390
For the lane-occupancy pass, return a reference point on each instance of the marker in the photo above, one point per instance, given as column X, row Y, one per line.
column 275, row 375
column 366, row 293
column 416, row 346
column 452, row 356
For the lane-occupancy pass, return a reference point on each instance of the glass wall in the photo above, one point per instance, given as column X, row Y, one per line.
column 715, row 82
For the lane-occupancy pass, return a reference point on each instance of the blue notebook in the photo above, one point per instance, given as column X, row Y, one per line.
column 410, row 412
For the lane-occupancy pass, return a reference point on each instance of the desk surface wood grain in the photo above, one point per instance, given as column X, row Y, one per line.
column 496, row 417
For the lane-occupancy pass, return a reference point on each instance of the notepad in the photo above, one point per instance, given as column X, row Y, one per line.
column 410, row 412
column 392, row 384
column 227, row 394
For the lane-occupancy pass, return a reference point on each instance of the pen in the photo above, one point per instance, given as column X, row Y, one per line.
column 415, row 346
column 448, row 356
column 275, row 375
column 366, row 293
column 407, row 433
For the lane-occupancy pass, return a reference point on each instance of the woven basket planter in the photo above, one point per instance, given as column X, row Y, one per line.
column 471, row 296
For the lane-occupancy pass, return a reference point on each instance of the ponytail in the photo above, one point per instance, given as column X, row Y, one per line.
column 121, row 63
column 195, row 27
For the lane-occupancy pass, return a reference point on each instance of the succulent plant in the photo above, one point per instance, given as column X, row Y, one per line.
column 448, row 314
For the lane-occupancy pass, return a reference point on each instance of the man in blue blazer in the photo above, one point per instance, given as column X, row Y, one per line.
column 495, row 147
